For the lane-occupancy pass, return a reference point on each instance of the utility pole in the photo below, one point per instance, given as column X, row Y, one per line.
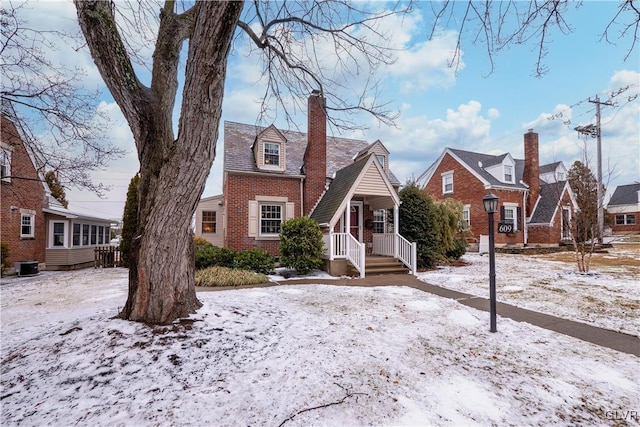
column 596, row 132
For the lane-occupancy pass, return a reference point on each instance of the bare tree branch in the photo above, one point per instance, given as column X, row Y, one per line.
column 500, row 24
column 59, row 119
column 306, row 47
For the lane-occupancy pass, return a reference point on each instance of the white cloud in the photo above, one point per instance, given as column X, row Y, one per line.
column 419, row 140
column 427, row 64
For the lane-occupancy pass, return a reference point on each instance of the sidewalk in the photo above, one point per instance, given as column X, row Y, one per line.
column 602, row 337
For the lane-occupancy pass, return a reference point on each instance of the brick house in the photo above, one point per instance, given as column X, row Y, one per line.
column 535, row 200
column 271, row 175
column 624, row 209
column 35, row 226
column 23, row 195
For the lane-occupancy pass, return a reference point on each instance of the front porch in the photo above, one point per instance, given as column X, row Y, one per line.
column 389, row 253
column 353, row 214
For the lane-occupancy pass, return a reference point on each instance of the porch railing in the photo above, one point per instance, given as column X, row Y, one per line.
column 344, row 245
column 395, row 245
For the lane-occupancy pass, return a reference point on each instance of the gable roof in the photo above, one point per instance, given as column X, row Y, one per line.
column 625, row 195
column 551, row 167
column 550, row 196
column 476, row 164
column 343, row 187
column 240, row 137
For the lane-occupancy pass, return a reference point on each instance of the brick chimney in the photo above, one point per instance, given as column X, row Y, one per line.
column 531, row 172
column 315, row 156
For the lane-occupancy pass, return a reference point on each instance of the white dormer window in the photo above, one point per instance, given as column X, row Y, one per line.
column 447, row 182
column 380, row 160
column 271, row 154
column 560, row 176
column 508, row 173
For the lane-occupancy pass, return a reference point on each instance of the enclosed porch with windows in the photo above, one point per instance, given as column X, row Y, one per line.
column 359, row 237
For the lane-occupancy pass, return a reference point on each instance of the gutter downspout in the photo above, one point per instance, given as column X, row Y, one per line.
column 301, row 196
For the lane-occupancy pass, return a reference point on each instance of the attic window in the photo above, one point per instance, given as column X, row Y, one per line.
column 560, row 176
column 447, row 182
column 271, row 154
column 508, row 173
column 380, row 160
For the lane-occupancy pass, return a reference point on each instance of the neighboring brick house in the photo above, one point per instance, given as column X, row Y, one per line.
column 271, row 175
column 23, row 196
column 536, row 200
column 624, row 209
column 35, row 226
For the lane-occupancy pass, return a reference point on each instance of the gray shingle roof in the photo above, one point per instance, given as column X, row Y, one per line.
column 625, row 195
column 473, row 161
column 551, row 167
column 550, row 195
column 337, row 191
column 238, row 155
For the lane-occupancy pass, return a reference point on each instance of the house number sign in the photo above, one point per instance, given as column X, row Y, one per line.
column 505, row 227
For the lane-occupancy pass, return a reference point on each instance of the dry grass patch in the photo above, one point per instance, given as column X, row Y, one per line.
column 223, row 276
column 629, row 257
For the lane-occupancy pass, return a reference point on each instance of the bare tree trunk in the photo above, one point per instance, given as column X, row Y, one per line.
column 173, row 171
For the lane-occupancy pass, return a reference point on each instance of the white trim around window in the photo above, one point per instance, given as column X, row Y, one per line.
column 508, row 174
column 58, row 234
column 266, row 214
column 510, row 214
column 447, row 182
column 466, row 217
column 27, row 224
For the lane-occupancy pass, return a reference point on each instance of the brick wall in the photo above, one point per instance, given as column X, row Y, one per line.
column 626, row 228
column 470, row 191
column 27, row 193
column 239, row 189
column 315, row 156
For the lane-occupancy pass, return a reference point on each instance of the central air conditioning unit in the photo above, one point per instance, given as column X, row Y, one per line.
column 26, row 268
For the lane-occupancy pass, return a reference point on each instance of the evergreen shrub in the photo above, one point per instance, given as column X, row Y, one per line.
column 301, row 246
column 255, row 259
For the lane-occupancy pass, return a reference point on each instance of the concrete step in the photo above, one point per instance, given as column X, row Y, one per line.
column 381, row 265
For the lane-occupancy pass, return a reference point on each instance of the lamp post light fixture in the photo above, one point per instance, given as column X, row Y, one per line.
column 490, row 202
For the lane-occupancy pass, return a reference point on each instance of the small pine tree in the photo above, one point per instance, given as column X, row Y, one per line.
column 417, row 219
column 57, row 190
column 129, row 220
column 301, row 244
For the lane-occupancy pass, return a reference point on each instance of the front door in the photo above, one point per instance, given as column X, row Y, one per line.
column 356, row 220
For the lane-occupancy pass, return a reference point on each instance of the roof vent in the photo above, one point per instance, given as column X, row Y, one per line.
column 479, row 164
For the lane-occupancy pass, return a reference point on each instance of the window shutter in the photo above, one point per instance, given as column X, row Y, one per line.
column 253, row 218
column 290, row 211
column 519, row 218
column 501, row 213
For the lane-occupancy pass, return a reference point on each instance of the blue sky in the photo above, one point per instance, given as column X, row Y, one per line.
column 470, row 109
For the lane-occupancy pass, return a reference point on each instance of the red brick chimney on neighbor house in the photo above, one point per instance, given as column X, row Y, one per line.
column 531, row 173
column 315, row 156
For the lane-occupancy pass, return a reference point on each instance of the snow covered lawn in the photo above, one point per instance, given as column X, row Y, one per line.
column 608, row 296
column 297, row 355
